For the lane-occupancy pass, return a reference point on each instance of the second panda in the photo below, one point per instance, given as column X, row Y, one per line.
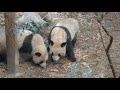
column 30, row 46
column 33, row 45
column 39, row 50
column 62, row 39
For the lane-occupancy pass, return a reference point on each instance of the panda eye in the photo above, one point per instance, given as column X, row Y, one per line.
column 51, row 42
column 63, row 44
column 38, row 54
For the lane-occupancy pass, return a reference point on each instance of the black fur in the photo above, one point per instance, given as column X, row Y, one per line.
column 24, row 51
column 70, row 43
column 3, row 58
column 51, row 42
column 48, row 49
column 74, row 40
column 26, row 47
column 49, row 38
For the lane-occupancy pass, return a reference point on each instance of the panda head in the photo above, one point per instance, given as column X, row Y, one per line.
column 57, row 43
column 39, row 51
column 40, row 58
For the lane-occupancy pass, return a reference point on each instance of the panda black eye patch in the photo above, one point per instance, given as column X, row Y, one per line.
column 51, row 42
column 38, row 54
column 63, row 44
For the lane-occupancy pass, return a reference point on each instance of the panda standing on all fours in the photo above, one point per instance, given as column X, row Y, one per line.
column 29, row 45
column 34, row 45
column 39, row 50
column 62, row 39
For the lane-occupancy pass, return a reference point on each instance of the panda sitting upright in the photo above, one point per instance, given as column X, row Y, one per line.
column 62, row 39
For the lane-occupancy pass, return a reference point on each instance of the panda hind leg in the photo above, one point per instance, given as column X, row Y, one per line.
column 70, row 53
column 74, row 40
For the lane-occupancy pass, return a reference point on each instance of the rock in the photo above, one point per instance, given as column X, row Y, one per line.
column 113, row 18
column 91, row 47
column 73, row 71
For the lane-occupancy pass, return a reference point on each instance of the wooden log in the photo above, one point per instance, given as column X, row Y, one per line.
column 11, row 44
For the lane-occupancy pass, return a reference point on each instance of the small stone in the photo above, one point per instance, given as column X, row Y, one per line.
column 18, row 74
column 54, row 70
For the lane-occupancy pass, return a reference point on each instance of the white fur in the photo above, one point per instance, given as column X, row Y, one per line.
column 43, row 65
column 58, row 36
column 39, row 46
column 55, row 58
column 71, row 24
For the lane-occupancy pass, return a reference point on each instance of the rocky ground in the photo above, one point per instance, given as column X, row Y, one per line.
column 92, row 59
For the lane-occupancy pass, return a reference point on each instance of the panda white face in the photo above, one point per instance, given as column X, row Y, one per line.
column 57, row 49
column 57, row 46
column 38, row 58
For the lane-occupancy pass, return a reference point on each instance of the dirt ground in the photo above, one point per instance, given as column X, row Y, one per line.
column 92, row 61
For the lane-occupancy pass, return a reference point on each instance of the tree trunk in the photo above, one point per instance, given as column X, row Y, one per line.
column 11, row 44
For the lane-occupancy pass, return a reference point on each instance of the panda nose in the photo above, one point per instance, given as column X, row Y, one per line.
column 41, row 62
column 59, row 55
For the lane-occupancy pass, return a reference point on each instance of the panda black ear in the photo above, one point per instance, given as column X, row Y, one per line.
column 38, row 54
column 51, row 42
column 63, row 44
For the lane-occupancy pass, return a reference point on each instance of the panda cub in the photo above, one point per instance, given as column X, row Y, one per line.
column 29, row 46
column 39, row 50
column 32, row 45
column 62, row 39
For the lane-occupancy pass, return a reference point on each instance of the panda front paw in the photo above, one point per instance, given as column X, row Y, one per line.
column 43, row 65
column 73, row 59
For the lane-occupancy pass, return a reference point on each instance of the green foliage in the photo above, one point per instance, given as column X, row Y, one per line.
column 30, row 25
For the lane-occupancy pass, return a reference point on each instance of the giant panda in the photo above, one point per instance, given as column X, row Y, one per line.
column 26, row 44
column 39, row 51
column 62, row 39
